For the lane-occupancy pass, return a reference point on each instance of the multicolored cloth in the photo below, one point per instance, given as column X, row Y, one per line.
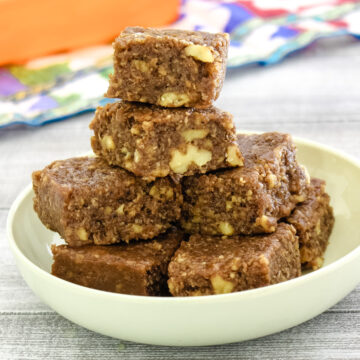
column 261, row 31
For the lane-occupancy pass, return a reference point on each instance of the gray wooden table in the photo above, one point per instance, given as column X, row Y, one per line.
column 315, row 94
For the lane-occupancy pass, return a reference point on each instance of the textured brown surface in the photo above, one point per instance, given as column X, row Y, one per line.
column 152, row 141
column 313, row 221
column 138, row 268
column 328, row 96
column 250, row 199
column 87, row 201
column 208, row 265
column 156, row 67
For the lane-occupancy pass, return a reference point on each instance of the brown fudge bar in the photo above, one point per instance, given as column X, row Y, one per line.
column 249, row 199
column 313, row 221
column 138, row 268
column 169, row 68
column 87, row 201
column 152, row 141
column 207, row 265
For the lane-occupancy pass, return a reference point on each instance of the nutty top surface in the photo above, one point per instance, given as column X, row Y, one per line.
column 261, row 148
column 259, row 151
column 307, row 213
column 214, row 251
column 246, row 246
column 316, row 188
column 87, row 171
column 141, row 112
column 195, row 37
column 137, row 255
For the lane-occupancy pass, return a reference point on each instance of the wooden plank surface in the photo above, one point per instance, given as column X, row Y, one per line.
column 315, row 95
column 49, row 336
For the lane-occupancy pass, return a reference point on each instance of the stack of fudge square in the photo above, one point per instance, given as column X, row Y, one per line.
column 175, row 202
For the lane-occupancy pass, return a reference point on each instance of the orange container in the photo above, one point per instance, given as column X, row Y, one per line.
column 32, row 28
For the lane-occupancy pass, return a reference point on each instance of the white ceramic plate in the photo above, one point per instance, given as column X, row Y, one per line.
column 207, row 320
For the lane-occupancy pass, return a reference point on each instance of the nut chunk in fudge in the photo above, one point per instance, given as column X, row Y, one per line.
column 207, row 265
column 152, row 141
column 170, row 68
column 313, row 221
column 138, row 268
column 87, row 201
column 249, row 199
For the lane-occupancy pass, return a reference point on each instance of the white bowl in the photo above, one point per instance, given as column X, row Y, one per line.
column 207, row 320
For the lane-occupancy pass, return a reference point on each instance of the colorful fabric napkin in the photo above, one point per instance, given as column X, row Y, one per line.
column 261, row 31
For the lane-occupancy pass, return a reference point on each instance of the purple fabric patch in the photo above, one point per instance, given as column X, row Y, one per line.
column 8, row 84
column 44, row 103
column 198, row 27
column 285, row 32
column 238, row 15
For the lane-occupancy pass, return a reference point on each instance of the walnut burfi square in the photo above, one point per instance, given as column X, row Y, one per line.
column 249, row 199
column 313, row 220
column 207, row 265
column 88, row 201
column 169, row 67
column 151, row 141
column 138, row 268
